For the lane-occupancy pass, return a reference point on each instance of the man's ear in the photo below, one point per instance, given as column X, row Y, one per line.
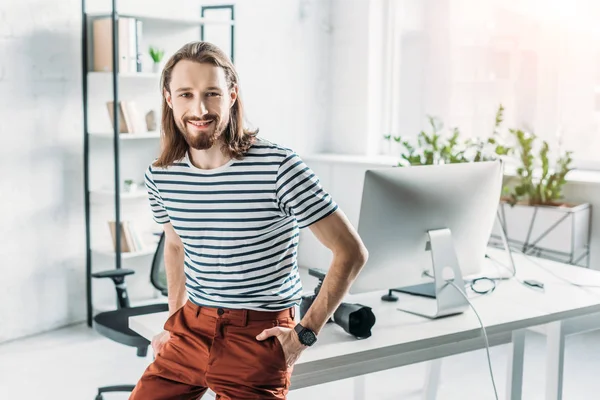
column 233, row 95
column 168, row 98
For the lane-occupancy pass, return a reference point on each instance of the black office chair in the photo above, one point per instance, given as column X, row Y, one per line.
column 115, row 324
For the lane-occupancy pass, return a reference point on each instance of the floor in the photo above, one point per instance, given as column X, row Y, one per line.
column 71, row 362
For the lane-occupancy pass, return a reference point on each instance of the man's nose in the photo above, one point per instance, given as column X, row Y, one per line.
column 200, row 108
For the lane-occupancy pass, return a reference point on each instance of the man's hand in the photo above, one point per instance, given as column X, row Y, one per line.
column 292, row 348
column 159, row 341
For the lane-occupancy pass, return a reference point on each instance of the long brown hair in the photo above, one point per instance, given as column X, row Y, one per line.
column 237, row 139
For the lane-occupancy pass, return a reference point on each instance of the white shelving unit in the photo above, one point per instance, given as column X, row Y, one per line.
column 104, row 196
column 110, row 162
column 126, row 136
column 124, row 75
column 126, row 255
column 171, row 21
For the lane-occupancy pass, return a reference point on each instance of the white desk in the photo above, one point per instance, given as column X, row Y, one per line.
column 401, row 339
column 577, row 307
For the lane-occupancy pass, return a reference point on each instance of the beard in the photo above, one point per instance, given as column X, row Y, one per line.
column 201, row 140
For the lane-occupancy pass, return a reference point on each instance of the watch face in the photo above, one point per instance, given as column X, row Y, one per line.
column 308, row 338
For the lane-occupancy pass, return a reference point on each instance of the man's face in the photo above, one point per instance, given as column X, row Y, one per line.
column 201, row 102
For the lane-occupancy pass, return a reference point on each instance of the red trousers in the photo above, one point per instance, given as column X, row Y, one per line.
column 217, row 348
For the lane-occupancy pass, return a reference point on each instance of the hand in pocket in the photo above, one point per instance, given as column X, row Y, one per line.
column 159, row 341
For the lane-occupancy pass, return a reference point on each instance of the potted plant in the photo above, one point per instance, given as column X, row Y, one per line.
column 536, row 218
column 130, row 186
column 157, row 56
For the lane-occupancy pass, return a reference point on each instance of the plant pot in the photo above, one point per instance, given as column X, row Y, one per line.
column 557, row 232
column 157, row 68
column 130, row 188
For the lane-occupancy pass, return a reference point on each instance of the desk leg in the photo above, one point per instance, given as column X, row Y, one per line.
column 555, row 348
column 432, row 379
column 360, row 387
column 514, row 377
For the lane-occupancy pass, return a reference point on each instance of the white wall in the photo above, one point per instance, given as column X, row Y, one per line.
column 356, row 67
column 283, row 53
column 41, row 184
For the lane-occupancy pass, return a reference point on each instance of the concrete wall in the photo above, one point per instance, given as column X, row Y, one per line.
column 41, row 163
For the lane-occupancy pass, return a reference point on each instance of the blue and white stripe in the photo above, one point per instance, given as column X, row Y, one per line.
column 240, row 223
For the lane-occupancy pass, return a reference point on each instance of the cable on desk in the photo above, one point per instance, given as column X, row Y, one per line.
column 531, row 259
column 487, row 343
column 514, row 274
column 473, row 282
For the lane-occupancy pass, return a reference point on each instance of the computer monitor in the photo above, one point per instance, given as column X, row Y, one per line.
column 434, row 220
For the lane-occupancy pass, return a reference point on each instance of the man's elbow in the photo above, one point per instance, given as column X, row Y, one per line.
column 357, row 257
column 362, row 256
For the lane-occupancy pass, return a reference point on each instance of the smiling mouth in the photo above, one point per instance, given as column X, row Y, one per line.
column 200, row 124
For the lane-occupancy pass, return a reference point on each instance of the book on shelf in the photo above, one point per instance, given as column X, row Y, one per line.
column 123, row 125
column 136, row 121
column 135, row 237
column 138, row 45
column 131, row 240
column 129, row 44
column 130, row 120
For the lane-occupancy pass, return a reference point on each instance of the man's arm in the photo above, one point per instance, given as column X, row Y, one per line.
column 174, row 269
column 349, row 256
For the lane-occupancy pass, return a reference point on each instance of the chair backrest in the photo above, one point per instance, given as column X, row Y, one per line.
column 158, row 275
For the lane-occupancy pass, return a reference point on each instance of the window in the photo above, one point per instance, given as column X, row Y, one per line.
column 459, row 59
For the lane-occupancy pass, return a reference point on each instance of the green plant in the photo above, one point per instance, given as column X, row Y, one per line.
column 433, row 147
column 156, row 54
column 492, row 147
column 537, row 184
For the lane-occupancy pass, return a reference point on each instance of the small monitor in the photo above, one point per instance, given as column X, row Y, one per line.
column 400, row 209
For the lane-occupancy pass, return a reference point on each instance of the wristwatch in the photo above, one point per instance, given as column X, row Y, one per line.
column 306, row 336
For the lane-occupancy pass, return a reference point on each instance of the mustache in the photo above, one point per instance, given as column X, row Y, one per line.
column 207, row 117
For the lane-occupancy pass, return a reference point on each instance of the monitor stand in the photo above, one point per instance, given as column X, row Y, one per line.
column 445, row 299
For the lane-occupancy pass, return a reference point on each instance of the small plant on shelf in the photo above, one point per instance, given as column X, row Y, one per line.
column 130, row 186
column 157, row 56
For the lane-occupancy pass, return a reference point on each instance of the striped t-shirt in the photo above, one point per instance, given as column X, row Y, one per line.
column 239, row 224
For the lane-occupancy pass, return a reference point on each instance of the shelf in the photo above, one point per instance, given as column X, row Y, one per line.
column 174, row 21
column 127, row 136
column 128, row 75
column 102, row 196
column 148, row 251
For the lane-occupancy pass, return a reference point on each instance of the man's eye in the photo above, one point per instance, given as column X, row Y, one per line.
column 184, row 95
column 212, row 94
